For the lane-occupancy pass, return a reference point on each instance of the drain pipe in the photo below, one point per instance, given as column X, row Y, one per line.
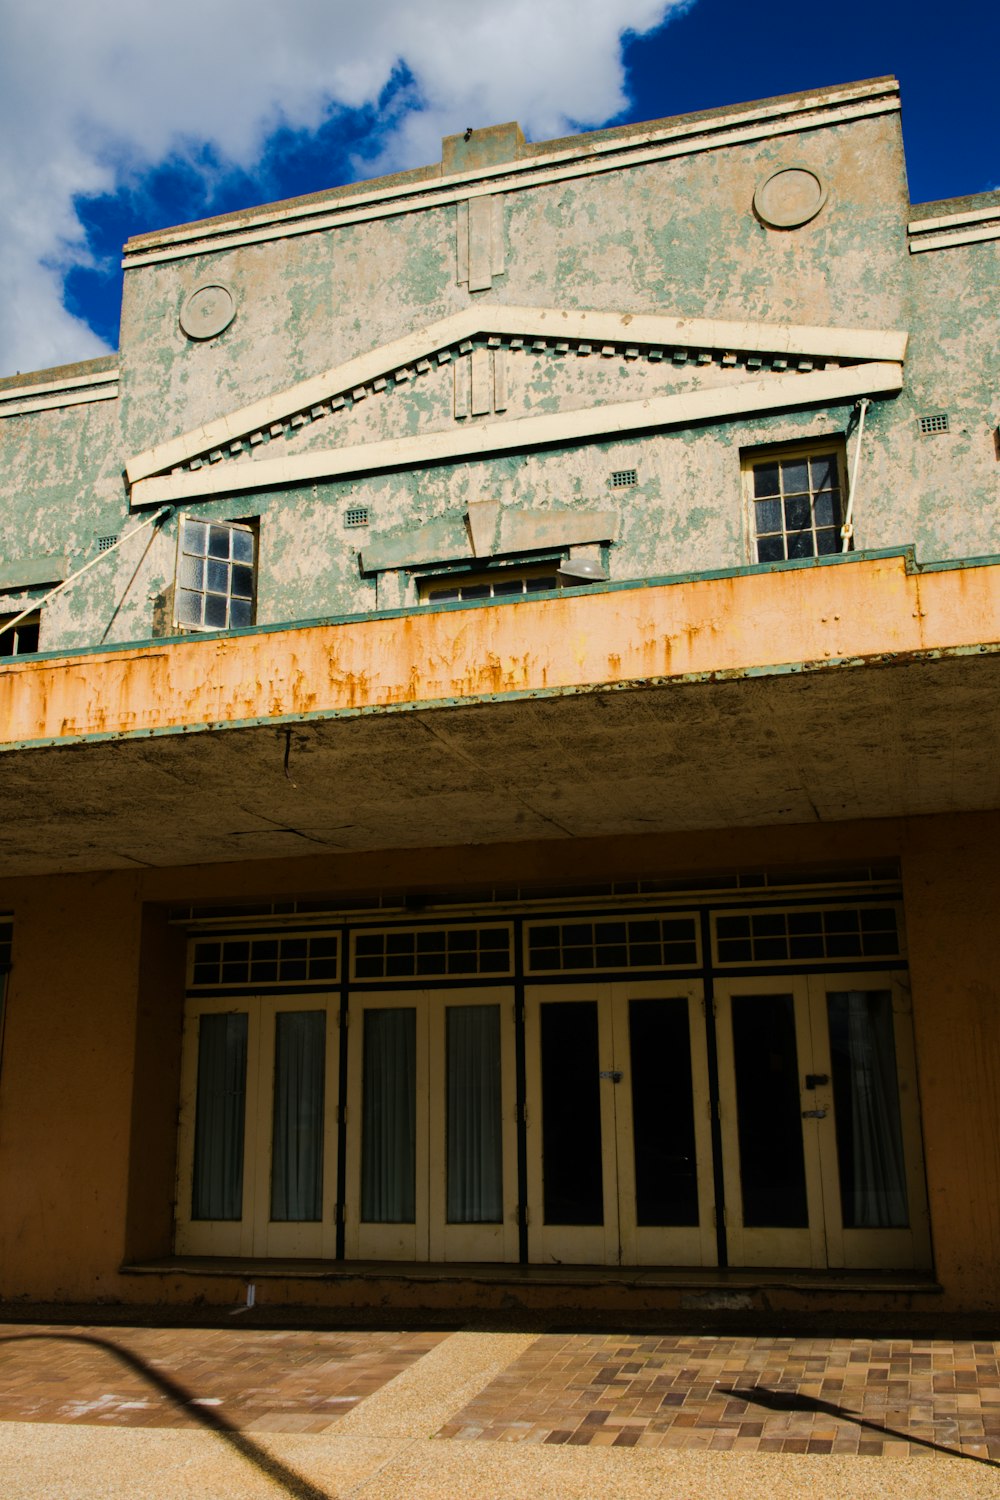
column 37, row 604
column 847, row 530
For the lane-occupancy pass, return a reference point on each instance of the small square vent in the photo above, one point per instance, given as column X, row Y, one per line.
column 356, row 516
column 622, row 478
column 936, row 423
column 105, row 543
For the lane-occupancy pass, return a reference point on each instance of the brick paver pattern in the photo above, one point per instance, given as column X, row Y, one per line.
column 257, row 1380
column 598, row 1389
column 672, row 1392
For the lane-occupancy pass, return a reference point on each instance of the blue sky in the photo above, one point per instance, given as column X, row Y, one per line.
column 121, row 116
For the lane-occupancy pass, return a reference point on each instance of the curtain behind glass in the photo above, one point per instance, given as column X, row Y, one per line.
column 869, row 1135
column 217, row 1185
column 297, row 1135
column 475, row 1172
column 388, row 1126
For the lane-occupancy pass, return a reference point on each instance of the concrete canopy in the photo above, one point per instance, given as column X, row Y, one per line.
column 907, row 737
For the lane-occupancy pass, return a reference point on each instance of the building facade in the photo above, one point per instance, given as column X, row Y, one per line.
column 499, row 720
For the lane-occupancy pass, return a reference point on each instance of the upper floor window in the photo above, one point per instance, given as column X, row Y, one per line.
column 23, row 639
column 498, row 583
column 216, row 575
column 796, row 502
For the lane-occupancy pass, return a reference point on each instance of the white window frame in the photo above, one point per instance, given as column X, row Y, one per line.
column 752, row 458
column 186, row 566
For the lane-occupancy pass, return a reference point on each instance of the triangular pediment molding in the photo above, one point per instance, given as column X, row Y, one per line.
column 783, row 364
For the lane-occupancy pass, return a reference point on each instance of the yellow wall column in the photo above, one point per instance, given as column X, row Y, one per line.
column 66, row 1086
column 952, row 889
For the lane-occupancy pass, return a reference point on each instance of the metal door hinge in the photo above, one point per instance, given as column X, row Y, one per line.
column 614, row 1074
column 814, row 1114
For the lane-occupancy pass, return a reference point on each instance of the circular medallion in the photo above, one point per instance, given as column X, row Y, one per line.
column 209, row 309
column 789, row 197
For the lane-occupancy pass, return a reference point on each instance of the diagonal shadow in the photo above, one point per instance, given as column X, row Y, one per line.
column 759, row 1395
column 294, row 1483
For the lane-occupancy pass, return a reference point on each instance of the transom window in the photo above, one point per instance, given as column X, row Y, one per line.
column 411, row 953
column 216, row 569
column 23, row 639
column 807, row 935
column 632, row 942
column 501, row 583
column 796, row 500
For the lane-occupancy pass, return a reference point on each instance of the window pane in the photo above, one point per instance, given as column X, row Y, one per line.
column 504, row 586
column 771, row 549
column 217, row 577
column 828, row 542
column 765, row 480
column 297, row 1127
column 768, row 516
column 827, row 509
column 218, row 541
column 772, row 1165
column 541, row 585
column 242, row 580
column 475, row 1166
column 573, row 1182
column 217, row 1185
column 824, row 471
column 241, row 613
column 794, row 476
column 195, row 537
column 866, row 1103
column 215, row 611
column 476, row 591
column 666, row 1177
column 798, row 514
column 188, row 608
column 800, row 544
column 191, row 573
column 388, row 1116
column 243, row 546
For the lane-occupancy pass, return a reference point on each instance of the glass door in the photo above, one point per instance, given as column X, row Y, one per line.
column 876, row 1201
column 619, row 1150
column 257, row 1155
column 770, row 1124
column 820, row 1123
column 431, row 1129
column 473, row 1127
column 663, row 1125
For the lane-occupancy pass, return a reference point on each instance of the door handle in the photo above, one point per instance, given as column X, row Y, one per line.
column 814, row 1114
column 613, row 1074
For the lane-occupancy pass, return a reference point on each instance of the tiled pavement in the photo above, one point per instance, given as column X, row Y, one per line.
column 880, row 1398
column 893, row 1398
column 257, row 1380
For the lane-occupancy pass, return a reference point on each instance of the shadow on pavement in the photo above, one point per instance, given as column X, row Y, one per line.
column 759, row 1395
column 295, row 1484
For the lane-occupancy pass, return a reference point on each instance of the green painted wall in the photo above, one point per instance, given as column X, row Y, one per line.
column 675, row 236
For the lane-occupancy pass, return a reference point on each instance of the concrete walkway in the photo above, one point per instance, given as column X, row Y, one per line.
column 242, row 1412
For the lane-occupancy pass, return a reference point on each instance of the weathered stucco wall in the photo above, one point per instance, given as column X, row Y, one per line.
column 860, row 608
column 675, row 236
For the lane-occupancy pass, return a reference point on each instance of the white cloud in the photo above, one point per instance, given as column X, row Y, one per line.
column 97, row 89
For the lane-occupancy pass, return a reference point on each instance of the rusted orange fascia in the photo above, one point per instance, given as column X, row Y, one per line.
column 872, row 609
